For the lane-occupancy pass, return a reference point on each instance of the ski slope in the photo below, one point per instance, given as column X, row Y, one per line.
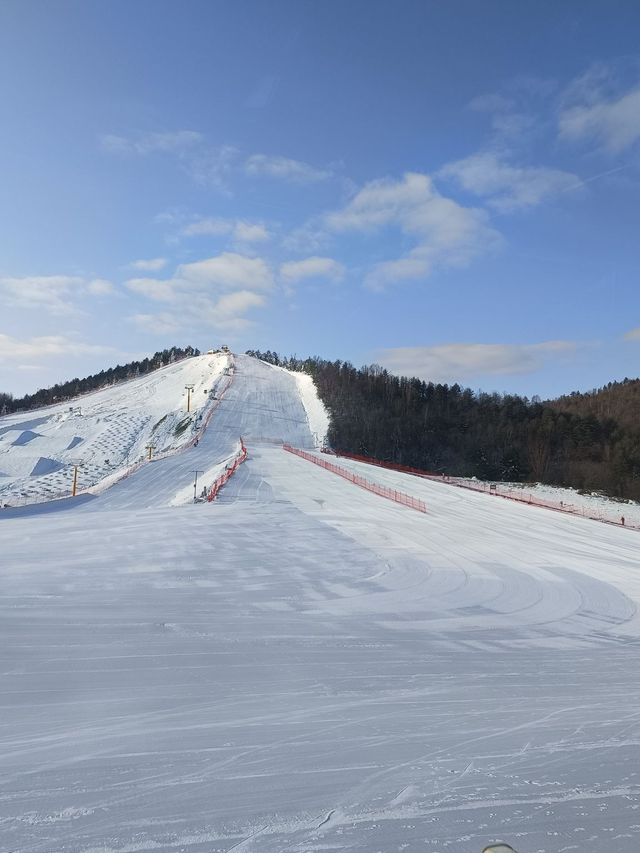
column 104, row 432
column 305, row 666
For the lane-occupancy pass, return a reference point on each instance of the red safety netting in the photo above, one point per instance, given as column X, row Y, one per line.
column 228, row 472
column 520, row 495
column 383, row 491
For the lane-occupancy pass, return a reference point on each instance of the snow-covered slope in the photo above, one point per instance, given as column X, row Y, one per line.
column 104, row 431
column 303, row 666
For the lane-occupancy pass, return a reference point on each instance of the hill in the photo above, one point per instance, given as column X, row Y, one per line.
column 450, row 429
column 584, row 441
column 617, row 401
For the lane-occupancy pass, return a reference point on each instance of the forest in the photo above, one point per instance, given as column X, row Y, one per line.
column 587, row 441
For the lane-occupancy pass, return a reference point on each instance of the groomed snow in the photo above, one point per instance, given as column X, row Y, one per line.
column 303, row 666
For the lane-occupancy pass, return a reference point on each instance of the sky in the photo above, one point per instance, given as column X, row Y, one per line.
column 449, row 190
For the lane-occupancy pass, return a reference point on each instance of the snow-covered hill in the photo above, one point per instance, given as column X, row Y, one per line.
column 105, row 431
column 305, row 666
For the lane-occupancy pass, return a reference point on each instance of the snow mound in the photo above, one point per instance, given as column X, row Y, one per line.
column 45, row 466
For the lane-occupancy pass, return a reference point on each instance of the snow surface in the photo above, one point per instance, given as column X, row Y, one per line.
column 317, row 414
column 105, row 431
column 304, row 666
column 591, row 503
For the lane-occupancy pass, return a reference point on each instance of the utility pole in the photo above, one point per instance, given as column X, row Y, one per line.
column 189, row 389
column 150, row 448
column 195, row 484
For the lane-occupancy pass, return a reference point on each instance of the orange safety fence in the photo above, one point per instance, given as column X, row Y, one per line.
column 607, row 516
column 228, row 472
column 383, row 491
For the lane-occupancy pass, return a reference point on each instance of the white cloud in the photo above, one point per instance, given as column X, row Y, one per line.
column 408, row 268
column 213, row 292
column 614, row 122
column 233, row 304
column 461, row 362
column 250, row 232
column 240, row 230
column 508, row 187
column 446, row 233
column 285, row 169
column 100, row 287
column 314, row 267
column 160, row 290
column 210, row 227
column 228, row 271
column 56, row 294
column 149, row 265
column 633, row 335
column 156, row 324
column 51, row 346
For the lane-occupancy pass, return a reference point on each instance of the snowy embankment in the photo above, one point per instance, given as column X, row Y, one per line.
column 105, row 432
column 317, row 414
column 590, row 504
column 304, row 666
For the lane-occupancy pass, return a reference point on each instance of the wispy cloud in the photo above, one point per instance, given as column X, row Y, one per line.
column 241, row 231
column 508, row 187
column 613, row 122
column 56, row 294
column 147, row 143
column 149, row 265
column 445, row 232
column 284, row 168
column 49, row 346
column 212, row 165
column 156, row 324
column 292, row 272
column 205, row 163
column 633, row 335
column 464, row 361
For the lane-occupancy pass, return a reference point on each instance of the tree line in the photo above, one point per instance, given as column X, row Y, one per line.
column 75, row 387
column 583, row 443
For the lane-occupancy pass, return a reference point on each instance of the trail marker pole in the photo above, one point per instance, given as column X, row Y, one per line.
column 75, row 481
column 195, row 484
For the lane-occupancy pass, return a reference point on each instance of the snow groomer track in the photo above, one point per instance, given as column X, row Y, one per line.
column 301, row 665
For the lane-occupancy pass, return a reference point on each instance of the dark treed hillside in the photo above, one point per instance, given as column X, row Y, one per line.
column 75, row 387
column 619, row 401
column 449, row 429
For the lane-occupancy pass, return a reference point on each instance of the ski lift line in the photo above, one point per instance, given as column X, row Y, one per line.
column 375, row 488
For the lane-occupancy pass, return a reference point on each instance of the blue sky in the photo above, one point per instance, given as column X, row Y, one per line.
column 447, row 189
